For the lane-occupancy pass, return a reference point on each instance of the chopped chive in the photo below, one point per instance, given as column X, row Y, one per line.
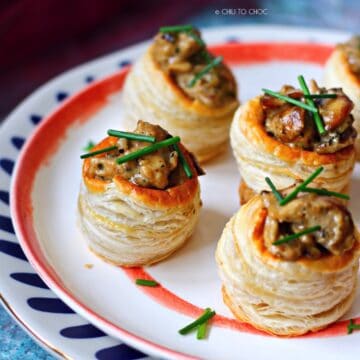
column 288, row 238
column 176, row 28
column 290, row 100
column 273, row 189
column 104, row 150
column 356, row 327
column 320, row 96
column 206, row 315
column 131, row 136
column 148, row 150
column 318, row 122
column 352, row 326
column 201, row 330
column 208, row 58
column 89, row 146
column 326, row 192
column 196, row 38
column 300, row 188
column 205, row 70
column 183, row 161
column 144, row 282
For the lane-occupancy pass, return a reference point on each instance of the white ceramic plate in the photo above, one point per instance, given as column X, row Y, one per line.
column 44, row 196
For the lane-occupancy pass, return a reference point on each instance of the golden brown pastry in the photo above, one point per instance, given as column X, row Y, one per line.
column 289, row 287
column 276, row 139
column 343, row 70
column 141, row 211
column 166, row 87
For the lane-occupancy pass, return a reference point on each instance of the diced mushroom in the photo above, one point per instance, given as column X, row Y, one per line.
column 294, row 126
column 309, row 210
column 334, row 111
column 183, row 56
column 287, row 123
column 155, row 170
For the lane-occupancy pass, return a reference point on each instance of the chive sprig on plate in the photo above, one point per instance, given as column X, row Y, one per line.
column 352, row 326
column 206, row 316
column 201, row 331
column 145, row 282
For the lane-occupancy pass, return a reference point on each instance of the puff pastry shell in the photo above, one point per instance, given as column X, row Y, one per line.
column 338, row 74
column 152, row 95
column 130, row 225
column 259, row 155
column 286, row 298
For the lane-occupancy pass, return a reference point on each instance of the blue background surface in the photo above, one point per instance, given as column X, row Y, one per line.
column 15, row 343
column 336, row 14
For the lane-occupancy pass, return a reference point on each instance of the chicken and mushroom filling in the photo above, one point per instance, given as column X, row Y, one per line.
column 308, row 210
column 160, row 169
column 352, row 52
column 182, row 56
column 295, row 126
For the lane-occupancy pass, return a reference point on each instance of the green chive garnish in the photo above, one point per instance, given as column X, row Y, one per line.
column 318, row 122
column 273, row 189
column 104, row 150
column 200, row 320
column 144, row 282
column 288, row 238
column 183, row 161
column 148, row 150
column 196, row 38
column 175, row 28
column 301, row 187
column 206, row 56
column 290, row 100
column 205, row 70
column 131, row 136
column 326, row 193
column 320, row 96
column 201, row 330
column 89, row 146
column 352, row 326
